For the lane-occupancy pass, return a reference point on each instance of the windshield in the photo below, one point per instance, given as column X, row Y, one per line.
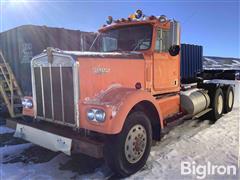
column 128, row 38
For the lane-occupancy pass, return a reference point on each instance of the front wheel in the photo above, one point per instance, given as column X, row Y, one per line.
column 127, row 152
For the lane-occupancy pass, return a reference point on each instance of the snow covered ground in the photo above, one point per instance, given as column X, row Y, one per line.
column 194, row 141
column 217, row 144
column 4, row 130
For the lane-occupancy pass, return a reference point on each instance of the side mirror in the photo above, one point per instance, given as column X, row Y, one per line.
column 174, row 50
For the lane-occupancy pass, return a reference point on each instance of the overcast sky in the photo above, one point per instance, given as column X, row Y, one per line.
column 213, row 24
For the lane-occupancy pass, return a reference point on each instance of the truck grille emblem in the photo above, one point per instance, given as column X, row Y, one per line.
column 101, row 70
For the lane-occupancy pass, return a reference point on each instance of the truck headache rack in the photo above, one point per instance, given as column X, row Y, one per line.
column 10, row 91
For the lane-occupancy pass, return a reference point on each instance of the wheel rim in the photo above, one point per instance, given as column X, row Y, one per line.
column 230, row 99
column 135, row 143
column 220, row 104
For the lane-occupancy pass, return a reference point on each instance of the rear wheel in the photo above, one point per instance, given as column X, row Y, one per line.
column 217, row 104
column 228, row 98
column 127, row 152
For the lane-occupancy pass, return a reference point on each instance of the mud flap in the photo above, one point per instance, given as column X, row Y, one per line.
column 45, row 139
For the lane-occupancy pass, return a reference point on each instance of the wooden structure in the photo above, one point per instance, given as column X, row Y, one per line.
column 10, row 91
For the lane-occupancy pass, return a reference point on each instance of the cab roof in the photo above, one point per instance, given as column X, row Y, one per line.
column 132, row 20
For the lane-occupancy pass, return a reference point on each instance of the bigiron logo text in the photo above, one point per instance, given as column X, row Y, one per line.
column 208, row 169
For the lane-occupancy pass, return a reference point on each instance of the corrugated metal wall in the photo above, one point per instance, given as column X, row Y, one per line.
column 191, row 62
column 20, row 44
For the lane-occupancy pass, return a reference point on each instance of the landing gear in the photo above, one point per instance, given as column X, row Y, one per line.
column 127, row 152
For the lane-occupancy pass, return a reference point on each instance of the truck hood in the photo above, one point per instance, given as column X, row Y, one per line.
column 124, row 54
column 101, row 72
column 95, row 72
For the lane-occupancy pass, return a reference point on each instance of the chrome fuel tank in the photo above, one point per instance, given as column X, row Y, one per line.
column 194, row 101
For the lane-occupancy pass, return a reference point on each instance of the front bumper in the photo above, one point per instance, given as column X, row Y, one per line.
column 56, row 138
column 45, row 139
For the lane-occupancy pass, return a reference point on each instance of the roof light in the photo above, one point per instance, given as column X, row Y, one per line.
column 138, row 14
column 152, row 17
column 129, row 19
column 162, row 18
column 123, row 20
column 109, row 20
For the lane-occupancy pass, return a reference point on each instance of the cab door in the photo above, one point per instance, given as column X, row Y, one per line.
column 166, row 68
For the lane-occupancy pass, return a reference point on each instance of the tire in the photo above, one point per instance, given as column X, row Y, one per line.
column 119, row 149
column 217, row 104
column 228, row 98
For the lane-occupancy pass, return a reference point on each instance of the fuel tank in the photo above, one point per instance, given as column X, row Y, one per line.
column 194, row 101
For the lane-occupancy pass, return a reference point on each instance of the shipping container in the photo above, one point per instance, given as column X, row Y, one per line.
column 191, row 62
column 20, row 44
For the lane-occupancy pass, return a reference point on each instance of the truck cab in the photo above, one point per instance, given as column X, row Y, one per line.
column 114, row 100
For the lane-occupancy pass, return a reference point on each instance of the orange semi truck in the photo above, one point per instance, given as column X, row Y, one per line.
column 115, row 102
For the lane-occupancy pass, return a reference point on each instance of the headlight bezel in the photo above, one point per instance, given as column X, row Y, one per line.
column 96, row 115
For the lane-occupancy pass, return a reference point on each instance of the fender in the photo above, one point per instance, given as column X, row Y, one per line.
column 117, row 103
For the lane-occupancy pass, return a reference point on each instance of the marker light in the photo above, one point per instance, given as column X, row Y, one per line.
column 162, row 18
column 129, row 19
column 152, row 17
column 123, row 20
column 132, row 16
column 109, row 20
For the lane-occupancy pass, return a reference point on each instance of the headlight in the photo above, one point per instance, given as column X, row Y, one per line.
column 91, row 115
column 27, row 103
column 96, row 115
column 100, row 115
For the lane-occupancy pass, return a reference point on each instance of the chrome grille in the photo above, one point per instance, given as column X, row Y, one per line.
column 55, row 89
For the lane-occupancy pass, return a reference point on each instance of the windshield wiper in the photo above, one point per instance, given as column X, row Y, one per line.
column 140, row 42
